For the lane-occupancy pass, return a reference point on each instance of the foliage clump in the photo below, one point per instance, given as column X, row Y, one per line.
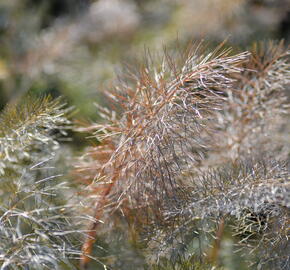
column 200, row 146
column 37, row 227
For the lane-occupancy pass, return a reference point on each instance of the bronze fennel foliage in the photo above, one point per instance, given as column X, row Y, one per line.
column 199, row 143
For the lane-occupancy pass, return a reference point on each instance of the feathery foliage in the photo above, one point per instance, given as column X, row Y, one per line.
column 37, row 227
column 199, row 147
column 27, row 129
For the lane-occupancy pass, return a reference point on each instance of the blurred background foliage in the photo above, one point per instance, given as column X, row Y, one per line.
column 74, row 48
column 77, row 48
